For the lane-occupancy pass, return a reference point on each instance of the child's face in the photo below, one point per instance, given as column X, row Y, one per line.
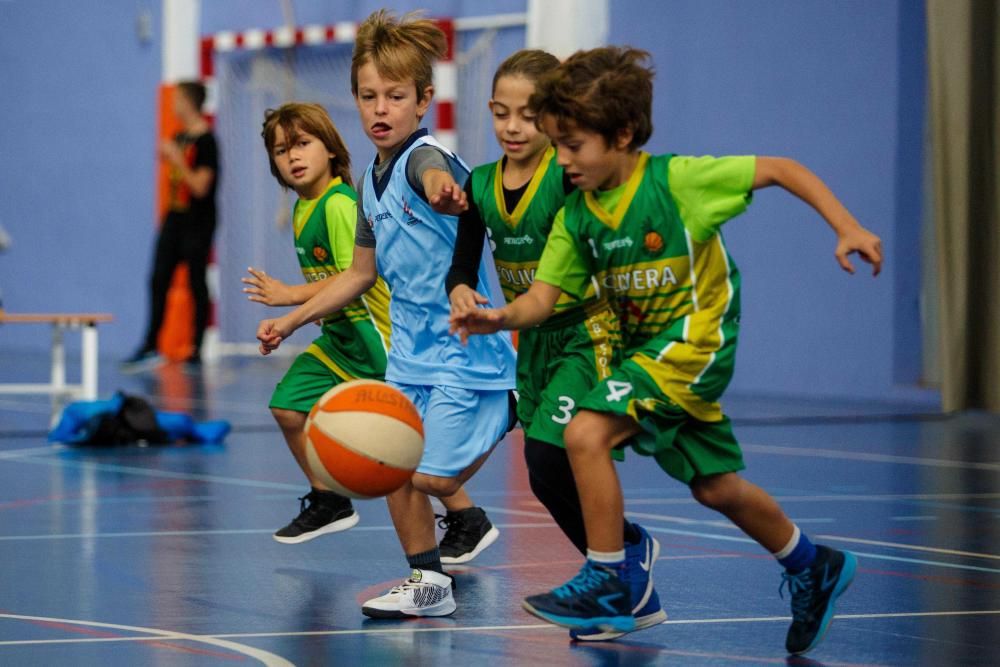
column 390, row 110
column 303, row 163
column 587, row 158
column 513, row 122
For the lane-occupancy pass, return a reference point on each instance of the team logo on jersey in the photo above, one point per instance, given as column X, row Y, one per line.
column 653, row 242
column 320, row 254
column 408, row 212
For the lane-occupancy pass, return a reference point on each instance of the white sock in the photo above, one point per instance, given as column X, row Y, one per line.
column 792, row 543
column 606, row 557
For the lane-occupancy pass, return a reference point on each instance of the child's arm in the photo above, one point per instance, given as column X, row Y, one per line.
column 463, row 276
column 531, row 308
column 807, row 186
column 443, row 193
column 270, row 291
column 332, row 296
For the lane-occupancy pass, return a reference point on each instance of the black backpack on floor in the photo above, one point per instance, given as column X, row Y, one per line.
column 135, row 422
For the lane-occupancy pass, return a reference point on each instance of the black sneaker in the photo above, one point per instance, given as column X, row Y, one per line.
column 143, row 359
column 814, row 591
column 321, row 513
column 467, row 533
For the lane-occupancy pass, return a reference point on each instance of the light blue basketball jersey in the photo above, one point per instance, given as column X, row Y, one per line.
column 413, row 248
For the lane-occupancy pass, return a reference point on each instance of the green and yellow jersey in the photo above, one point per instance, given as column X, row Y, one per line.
column 518, row 237
column 654, row 248
column 324, row 243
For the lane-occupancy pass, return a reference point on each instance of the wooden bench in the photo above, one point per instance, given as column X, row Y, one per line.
column 57, row 386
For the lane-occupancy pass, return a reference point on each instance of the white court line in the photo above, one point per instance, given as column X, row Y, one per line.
column 265, row 657
column 900, row 559
column 842, row 454
column 166, row 474
column 911, row 547
column 854, row 497
column 471, row 628
column 895, row 545
column 31, row 451
column 715, row 523
column 227, row 531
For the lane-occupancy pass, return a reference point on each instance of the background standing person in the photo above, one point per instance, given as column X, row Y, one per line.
column 189, row 225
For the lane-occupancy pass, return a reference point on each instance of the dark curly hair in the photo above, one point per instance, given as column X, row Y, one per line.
column 603, row 90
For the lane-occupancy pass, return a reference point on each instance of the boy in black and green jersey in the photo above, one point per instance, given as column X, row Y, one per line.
column 513, row 201
column 647, row 228
column 308, row 155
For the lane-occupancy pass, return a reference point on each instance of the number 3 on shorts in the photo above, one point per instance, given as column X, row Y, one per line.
column 617, row 390
column 566, row 405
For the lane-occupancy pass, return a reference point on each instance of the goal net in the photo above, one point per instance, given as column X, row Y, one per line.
column 254, row 213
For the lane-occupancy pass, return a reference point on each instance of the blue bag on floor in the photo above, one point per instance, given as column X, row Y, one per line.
column 125, row 419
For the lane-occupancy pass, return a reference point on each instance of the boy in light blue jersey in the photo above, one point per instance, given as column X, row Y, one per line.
column 410, row 197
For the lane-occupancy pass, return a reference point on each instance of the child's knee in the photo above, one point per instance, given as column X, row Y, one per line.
column 433, row 485
column 582, row 436
column 717, row 492
column 288, row 420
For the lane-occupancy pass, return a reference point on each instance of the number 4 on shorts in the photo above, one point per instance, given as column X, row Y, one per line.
column 617, row 390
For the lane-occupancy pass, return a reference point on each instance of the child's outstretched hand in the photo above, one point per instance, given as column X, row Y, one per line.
column 270, row 333
column 447, row 198
column 266, row 289
column 867, row 245
column 477, row 321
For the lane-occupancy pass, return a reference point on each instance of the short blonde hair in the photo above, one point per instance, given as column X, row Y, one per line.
column 400, row 48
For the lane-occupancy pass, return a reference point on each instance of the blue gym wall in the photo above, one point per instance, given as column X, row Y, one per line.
column 78, row 102
column 838, row 85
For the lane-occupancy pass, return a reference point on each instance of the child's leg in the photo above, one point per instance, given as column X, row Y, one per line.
column 748, row 506
column 590, row 437
column 816, row 575
column 458, row 501
column 413, row 517
column 292, row 424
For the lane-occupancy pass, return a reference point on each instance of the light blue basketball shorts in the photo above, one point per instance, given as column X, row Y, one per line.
column 460, row 425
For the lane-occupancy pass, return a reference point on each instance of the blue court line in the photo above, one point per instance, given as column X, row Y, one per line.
column 901, row 559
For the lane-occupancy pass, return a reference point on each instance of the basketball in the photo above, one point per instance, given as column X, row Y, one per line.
column 364, row 439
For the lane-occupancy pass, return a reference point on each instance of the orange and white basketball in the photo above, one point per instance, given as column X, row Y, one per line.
column 364, row 439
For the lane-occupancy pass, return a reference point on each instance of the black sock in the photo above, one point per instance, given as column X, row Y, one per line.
column 426, row 560
column 632, row 534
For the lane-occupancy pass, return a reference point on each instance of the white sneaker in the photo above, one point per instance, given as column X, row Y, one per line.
column 425, row 593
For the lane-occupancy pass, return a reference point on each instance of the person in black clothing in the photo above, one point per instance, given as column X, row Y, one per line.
column 188, row 227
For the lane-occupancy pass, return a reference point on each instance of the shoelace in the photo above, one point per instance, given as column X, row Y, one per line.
column 309, row 511
column 454, row 527
column 406, row 585
column 587, row 579
column 800, row 587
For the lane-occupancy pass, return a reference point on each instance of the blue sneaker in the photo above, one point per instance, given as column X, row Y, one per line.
column 639, row 561
column 814, row 591
column 597, row 597
column 651, row 614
